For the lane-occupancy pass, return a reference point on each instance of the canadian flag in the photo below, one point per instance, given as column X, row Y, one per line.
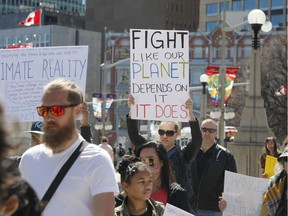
column 32, row 19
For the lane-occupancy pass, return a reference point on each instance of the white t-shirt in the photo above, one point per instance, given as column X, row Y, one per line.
column 92, row 173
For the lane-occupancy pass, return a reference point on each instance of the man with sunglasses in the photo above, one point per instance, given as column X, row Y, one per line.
column 88, row 187
column 207, row 171
column 179, row 157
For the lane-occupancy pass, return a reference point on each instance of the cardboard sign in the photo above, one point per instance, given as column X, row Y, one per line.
column 269, row 165
column 243, row 194
column 159, row 74
column 171, row 210
column 24, row 72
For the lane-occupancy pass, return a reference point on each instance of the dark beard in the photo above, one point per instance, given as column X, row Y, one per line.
column 57, row 138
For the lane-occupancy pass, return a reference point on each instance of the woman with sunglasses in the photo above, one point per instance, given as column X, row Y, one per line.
column 179, row 157
column 136, row 180
column 165, row 189
column 270, row 148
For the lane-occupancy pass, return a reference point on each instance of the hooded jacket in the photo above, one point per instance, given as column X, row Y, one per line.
column 156, row 207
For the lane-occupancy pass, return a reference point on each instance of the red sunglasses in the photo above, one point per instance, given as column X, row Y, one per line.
column 57, row 110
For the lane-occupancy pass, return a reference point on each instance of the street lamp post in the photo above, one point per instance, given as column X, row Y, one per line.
column 204, row 80
column 104, row 84
column 253, row 125
column 223, row 79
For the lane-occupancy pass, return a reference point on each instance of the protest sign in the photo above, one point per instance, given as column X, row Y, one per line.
column 24, row 72
column 269, row 165
column 243, row 194
column 159, row 74
column 171, row 210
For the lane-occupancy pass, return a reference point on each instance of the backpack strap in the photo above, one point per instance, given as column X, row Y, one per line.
column 61, row 174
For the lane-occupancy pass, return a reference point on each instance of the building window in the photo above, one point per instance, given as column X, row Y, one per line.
column 206, row 52
column 197, row 41
column 198, row 52
column 276, row 19
column 236, row 5
column 211, row 9
column 247, row 52
column 195, row 73
column 210, row 25
column 122, row 121
column 249, row 4
column 123, row 99
column 196, row 97
column 224, row 4
column 230, row 52
column 220, row 53
column 247, row 41
column 277, row 3
column 263, row 4
column 123, row 76
column 239, row 53
column 124, row 42
column 122, row 53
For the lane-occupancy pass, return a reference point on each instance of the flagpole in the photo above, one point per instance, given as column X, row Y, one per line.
column 223, row 79
column 40, row 25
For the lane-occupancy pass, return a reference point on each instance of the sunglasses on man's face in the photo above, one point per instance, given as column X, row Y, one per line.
column 209, row 130
column 168, row 133
column 148, row 161
column 57, row 110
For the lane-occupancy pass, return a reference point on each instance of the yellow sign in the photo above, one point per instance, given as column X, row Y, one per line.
column 269, row 165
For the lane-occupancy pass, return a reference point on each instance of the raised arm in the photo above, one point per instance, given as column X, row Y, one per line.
column 192, row 148
column 132, row 127
column 85, row 127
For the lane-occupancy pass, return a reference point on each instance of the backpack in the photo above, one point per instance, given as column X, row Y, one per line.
column 121, row 152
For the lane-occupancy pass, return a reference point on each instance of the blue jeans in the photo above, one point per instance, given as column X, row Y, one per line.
column 208, row 213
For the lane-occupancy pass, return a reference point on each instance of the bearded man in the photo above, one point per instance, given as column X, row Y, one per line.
column 88, row 187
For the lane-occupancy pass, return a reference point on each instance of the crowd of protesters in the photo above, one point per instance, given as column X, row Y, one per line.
column 63, row 173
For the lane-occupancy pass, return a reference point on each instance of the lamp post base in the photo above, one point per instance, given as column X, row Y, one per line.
column 249, row 140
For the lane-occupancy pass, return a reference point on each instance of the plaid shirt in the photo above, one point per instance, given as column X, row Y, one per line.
column 273, row 196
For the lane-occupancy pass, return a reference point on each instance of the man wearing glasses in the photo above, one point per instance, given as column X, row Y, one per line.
column 179, row 158
column 207, row 171
column 88, row 187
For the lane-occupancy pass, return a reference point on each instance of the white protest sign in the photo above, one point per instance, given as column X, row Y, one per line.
column 24, row 72
column 171, row 210
column 244, row 194
column 159, row 74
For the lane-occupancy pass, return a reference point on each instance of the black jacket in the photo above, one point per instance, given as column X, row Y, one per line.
column 86, row 133
column 177, row 196
column 210, row 186
column 181, row 157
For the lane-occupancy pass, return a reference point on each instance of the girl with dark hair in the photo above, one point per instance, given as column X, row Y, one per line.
column 165, row 189
column 136, row 180
column 270, row 148
column 17, row 196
